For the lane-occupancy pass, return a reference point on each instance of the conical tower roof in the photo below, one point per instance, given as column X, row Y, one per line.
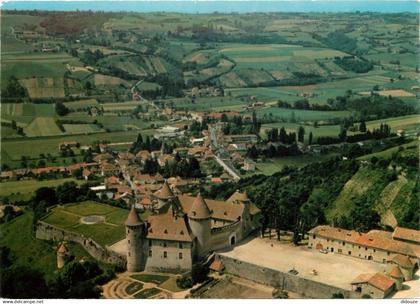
column 199, row 209
column 165, row 192
column 133, row 218
column 62, row 248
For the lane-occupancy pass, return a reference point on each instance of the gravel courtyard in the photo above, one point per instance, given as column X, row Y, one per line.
column 333, row 269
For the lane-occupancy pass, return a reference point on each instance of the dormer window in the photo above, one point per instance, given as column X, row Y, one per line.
column 166, row 231
column 182, row 232
column 225, row 213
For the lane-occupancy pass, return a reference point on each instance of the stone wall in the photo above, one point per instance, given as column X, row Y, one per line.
column 49, row 232
column 278, row 279
column 168, row 256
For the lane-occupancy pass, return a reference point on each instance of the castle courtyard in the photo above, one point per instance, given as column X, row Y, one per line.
column 332, row 269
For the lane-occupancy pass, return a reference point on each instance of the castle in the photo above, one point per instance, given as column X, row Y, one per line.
column 185, row 230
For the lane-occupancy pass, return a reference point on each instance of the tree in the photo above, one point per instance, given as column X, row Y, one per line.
column 343, row 133
column 310, row 138
column 22, row 282
column 46, row 194
column 337, row 295
column 14, row 89
column 282, row 135
column 362, row 126
column 301, row 134
column 61, row 109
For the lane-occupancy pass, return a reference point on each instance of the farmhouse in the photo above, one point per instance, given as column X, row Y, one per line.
column 376, row 285
column 186, row 229
column 379, row 246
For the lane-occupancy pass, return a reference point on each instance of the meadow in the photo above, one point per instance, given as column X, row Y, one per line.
column 68, row 217
column 105, row 233
column 24, row 189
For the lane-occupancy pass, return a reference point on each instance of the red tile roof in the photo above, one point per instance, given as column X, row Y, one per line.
column 199, row 209
column 168, row 227
column 371, row 239
column 222, row 210
column 377, row 280
column 407, row 234
column 217, row 265
column 133, row 218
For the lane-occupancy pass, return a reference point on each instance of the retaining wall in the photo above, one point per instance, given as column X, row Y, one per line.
column 286, row 281
column 49, row 232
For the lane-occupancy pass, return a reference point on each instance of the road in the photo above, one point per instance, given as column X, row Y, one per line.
column 141, row 97
column 226, row 164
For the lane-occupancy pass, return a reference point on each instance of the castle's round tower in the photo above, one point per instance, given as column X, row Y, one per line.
column 135, row 233
column 62, row 252
column 165, row 197
column 199, row 218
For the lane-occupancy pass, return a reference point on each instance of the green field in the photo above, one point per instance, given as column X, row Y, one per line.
column 19, row 236
column 24, row 189
column 301, row 115
column 22, row 66
column 271, row 166
column 42, row 126
column 106, row 233
column 208, row 104
column 12, row 150
column 81, row 104
column 81, row 128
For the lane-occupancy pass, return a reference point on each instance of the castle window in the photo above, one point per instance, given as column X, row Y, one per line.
column 180, row 255
column 129, row 253
column 180, row 245
column 165, row 254
column 314, row 237
column 150, row 253
column 128, row 241
column 164, row 244
column 150, row 243
column 344, row 243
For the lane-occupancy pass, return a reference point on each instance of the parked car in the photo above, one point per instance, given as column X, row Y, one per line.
column 324, row 251
column 293, row 271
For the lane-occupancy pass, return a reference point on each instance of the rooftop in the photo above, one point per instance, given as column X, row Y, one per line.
column 407, row 234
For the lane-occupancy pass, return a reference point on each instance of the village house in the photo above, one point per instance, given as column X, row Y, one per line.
column 376, row 285
column 108, row 169
column 67, row 144
column 163, row 159
column 143, row 155
column 249, row 165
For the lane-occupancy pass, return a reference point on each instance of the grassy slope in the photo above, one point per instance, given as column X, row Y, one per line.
column 19, row 236
column 361, row 183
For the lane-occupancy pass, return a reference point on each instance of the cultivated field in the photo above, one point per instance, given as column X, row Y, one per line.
column 42, row 126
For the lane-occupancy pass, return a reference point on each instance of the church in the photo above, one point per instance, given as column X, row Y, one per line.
column 186, row 229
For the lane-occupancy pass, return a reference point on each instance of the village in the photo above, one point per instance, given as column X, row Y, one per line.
column 209, row 154
column 158, row 175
